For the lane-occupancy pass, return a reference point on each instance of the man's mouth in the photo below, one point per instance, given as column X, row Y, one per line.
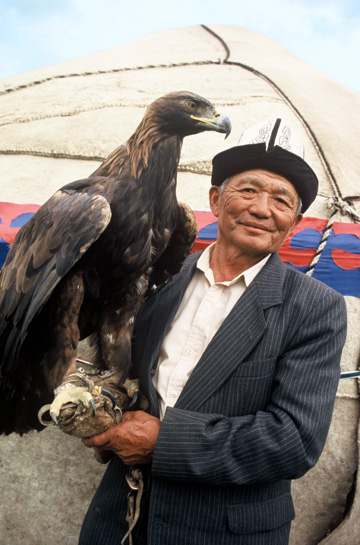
column 254, row 225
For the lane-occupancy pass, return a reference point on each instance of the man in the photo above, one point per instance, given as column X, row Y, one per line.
column 239, row 357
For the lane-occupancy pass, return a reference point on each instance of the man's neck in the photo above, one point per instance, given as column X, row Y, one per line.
column 228, row 264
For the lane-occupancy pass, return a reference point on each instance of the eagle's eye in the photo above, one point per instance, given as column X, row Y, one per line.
column 192, row 105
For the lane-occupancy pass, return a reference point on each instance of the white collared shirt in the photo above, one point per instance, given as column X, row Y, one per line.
column 203, row 309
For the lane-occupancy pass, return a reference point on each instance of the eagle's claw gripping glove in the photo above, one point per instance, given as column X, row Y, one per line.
column 89, row 404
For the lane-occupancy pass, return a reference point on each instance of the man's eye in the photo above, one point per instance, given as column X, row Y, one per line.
column 282, row 201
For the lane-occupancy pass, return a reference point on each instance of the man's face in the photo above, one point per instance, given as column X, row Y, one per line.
column 256, row 211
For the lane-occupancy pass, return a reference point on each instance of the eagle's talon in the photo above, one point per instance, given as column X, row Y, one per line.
column 93, row 407
column 45, row 409
column 54, row 418
column 110, row 395
column 134, row 400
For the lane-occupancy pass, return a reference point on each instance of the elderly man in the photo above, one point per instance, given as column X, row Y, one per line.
column 239, row 357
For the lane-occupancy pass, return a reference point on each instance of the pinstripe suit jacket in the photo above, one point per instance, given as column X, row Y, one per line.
column 253, row 415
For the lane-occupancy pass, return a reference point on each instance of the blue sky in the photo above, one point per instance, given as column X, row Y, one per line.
column 36, row 33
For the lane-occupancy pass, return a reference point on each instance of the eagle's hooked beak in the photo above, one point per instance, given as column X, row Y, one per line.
column 220, row 123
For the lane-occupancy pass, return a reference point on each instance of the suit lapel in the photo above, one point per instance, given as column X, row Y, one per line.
column 238, row 335
column 162, row 308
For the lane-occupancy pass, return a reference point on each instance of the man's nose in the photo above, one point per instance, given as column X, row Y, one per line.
column 261, row 206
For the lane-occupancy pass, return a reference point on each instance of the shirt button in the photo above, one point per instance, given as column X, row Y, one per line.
column 173, row 393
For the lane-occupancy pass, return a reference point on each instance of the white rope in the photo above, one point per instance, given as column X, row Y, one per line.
column 322, row 244
column 344, row 207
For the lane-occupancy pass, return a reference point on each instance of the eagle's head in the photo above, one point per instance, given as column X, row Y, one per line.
column 167, row 121
column 184, row 113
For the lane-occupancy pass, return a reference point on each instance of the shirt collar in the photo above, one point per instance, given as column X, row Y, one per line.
column 203, row 264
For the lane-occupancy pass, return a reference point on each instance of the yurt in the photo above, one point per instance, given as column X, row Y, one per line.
column 58, row 123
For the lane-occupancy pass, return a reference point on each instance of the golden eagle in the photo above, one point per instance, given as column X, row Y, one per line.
column 83, row 263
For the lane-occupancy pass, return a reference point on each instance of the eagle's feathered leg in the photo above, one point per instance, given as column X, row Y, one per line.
column 66, row 338
column 114, row 352
column 64, row 314
column 116, row 326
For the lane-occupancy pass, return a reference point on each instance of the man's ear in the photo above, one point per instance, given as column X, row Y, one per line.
column 299, row 217
column 214, row 196
column 297, row 220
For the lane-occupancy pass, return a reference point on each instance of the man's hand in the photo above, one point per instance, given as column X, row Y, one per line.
column 133, row 440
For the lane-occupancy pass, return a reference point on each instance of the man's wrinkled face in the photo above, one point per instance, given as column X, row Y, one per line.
column 256, row 211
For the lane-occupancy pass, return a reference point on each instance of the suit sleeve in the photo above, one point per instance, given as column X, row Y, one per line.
column 281, row 442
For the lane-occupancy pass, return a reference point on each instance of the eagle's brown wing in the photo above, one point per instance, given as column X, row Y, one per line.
column 179, row 247
column 43, row 252
column 47, row 247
